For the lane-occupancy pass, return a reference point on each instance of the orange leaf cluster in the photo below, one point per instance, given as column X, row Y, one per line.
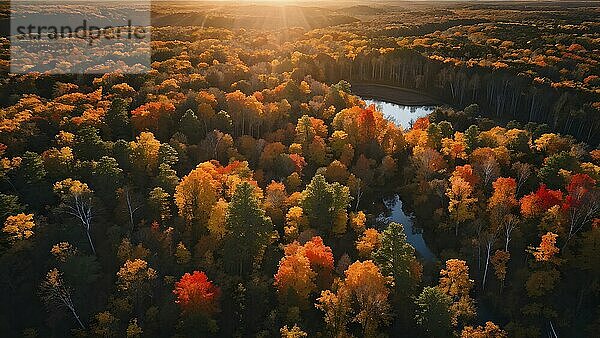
column 466, row 173
column 490, row 330
column 149, row 115
column 199, row 190
column 301, row 265
column 421, row 123
column 504, row 192
column 195, row 293
column 370, row 241
column 547, row 249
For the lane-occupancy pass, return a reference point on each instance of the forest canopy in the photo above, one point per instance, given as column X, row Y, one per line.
column 243, row 187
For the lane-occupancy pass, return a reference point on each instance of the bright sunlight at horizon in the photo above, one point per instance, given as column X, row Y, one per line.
column 293, row 169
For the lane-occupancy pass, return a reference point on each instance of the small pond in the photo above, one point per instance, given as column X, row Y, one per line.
column 402, row 115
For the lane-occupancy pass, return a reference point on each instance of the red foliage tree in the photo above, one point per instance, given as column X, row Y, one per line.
column 578, row 188
column 582, row 204
column 367, row 123
column 195, row 293
column 538, row 202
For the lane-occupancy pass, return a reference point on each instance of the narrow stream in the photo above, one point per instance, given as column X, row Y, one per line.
column 405, row 116
column 413, row 237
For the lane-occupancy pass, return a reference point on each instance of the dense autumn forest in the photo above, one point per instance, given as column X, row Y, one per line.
column 243, row 186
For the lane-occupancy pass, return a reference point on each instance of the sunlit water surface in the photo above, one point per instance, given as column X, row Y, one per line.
column 402, row 115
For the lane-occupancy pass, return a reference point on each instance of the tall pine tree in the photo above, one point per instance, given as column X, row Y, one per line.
column 247, row 230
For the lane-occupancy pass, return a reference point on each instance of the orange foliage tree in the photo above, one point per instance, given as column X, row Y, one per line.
column 294, row 278
column 195, row 293
column 466, row 173
column 369, row 242
column 19, row 227
column 547, row 249
column 363, row 295
column 152, row 116
column 503, row 199
column 302, row 269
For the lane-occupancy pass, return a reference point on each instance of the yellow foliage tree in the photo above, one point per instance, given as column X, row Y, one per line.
column 461, row 206
column 216, row 222
column 295, row 222
column 490, row 330
column 369, row 242
column 18, row 227
column 144, row 152
column 133, row 275
column 197, row 192
column 455, row 282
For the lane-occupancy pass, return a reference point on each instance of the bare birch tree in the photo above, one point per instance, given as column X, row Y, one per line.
column 77, row 202
column 55, row 294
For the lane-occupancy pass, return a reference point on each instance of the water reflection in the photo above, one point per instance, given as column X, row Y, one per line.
column 402, row 115
column 413, row 237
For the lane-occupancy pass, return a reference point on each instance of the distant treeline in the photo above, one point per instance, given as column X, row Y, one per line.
column 501, row 93
column 427, row 28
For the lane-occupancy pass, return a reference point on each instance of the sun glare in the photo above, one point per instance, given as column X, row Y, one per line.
column 291, row 168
